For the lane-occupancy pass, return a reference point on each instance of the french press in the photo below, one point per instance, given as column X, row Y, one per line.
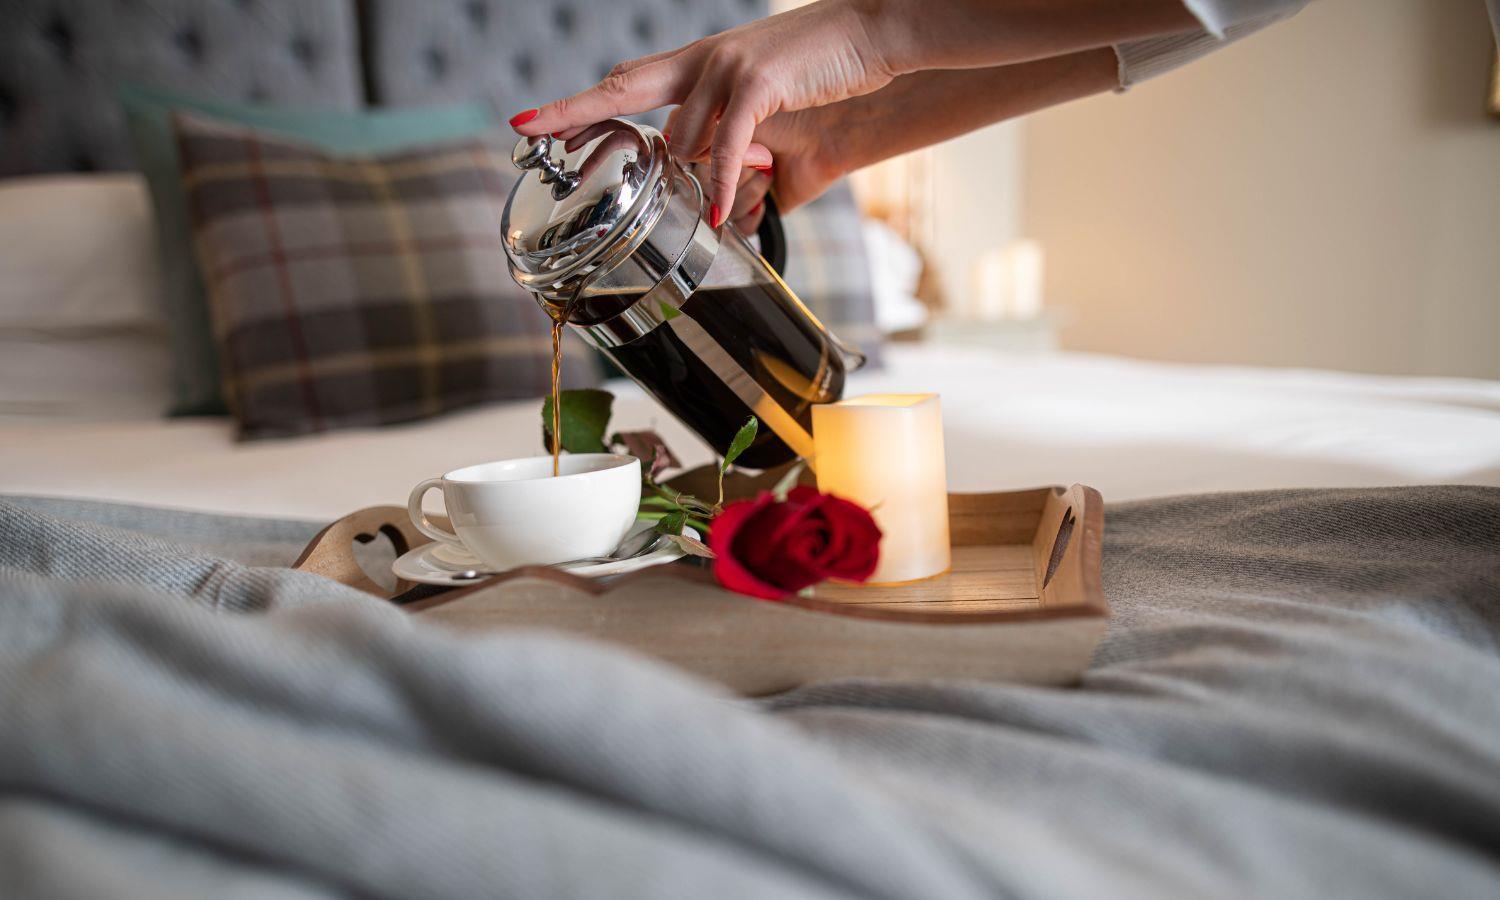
column 613, row 235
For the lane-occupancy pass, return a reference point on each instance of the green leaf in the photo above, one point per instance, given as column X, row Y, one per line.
column 788, row 481
column 742, row 441
column 669, row 312
column 585, row 420
column 672, row 522
column 692, row 546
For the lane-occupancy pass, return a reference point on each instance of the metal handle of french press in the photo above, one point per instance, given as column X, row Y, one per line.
column 537, row 154
column 772, row 236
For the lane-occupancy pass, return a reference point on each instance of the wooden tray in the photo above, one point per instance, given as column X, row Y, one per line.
column 1023, row 602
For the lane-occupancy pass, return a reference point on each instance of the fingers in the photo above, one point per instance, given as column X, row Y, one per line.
column 636, row 63
column 692, row 123
column 749, row 223
column 749, row 200
column 758, row 156
column 621, row 93
column 731, row 139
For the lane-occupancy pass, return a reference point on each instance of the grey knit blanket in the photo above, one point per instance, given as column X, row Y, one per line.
column 1299, row 697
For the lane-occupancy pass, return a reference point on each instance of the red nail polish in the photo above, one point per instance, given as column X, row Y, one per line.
column 521, row 118
column 756, row 208
column 767, row 169
column 666, row 136
column 714, row 218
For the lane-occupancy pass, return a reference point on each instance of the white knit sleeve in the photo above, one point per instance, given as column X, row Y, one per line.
column 1224, row 22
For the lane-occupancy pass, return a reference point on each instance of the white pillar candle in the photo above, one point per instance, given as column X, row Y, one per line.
column 1026, row 263
column 1006, row 283
column 885, row 452
column 989, row 287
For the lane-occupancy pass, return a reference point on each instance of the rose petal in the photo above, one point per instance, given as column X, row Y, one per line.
column 728, row 569
column 758, row 544
column 857, row 537
column 803, row 493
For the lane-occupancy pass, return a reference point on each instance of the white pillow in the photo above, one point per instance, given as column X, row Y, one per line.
column 115, row 374
column 82, row 335
column 77, row 251
column 895, row 269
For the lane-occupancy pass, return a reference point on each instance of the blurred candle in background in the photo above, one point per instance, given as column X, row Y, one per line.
column 885, row 452
column 1007, row 283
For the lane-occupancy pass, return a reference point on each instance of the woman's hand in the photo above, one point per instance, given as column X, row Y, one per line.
column 796, row 84
column 731, row 83
column 815, row 147
column 793, row 151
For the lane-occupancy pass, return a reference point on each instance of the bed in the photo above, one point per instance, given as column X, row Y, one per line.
column 1132, row 429
column 1296, row 697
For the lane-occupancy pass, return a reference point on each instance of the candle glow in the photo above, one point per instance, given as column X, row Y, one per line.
column 885, row 452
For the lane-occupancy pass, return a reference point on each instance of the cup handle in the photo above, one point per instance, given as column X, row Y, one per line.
column 419, row 518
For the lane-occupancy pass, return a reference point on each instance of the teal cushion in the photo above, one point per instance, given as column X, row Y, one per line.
column 148, row 115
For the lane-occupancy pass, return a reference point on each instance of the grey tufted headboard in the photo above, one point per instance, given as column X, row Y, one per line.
column 61, row 60
column 520, row 53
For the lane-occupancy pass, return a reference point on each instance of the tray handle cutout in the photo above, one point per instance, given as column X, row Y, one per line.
column 332, row 552
column 1059, row 545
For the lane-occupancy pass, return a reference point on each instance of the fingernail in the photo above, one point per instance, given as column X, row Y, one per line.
column 767, row 169
column 756, row 208
column 714, row 218
column 521, row 118
column 557, row 134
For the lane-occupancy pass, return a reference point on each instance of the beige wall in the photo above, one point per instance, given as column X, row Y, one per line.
column 1326, row 193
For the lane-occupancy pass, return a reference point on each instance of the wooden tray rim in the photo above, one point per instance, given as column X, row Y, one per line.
column 1093, row 604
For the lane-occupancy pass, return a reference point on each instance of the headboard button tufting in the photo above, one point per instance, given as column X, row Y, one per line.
column 60, row 35
column 437, row 63
column 564, row 18
column 478, row 13
column 525, row 69
column 305, row 51
column 190, row 42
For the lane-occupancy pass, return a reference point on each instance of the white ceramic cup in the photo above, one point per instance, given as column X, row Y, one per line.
column 514, row 513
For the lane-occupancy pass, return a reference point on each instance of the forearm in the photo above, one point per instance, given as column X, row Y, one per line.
column 913, row 35
column 925, row 108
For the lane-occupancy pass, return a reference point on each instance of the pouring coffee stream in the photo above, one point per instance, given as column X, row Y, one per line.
column 613, row 238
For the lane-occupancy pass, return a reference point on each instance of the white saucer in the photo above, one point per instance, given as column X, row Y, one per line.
column 440, row 564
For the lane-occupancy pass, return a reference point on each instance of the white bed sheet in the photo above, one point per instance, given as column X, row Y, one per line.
column 1132, row 429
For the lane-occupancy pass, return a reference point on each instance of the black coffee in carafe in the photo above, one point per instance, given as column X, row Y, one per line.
column 775, row 347
column 614, row 232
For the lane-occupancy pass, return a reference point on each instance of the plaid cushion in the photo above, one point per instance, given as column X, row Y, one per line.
column 356, row 291
column 827, row 267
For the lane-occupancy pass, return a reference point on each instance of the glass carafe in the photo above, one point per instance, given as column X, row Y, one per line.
column 615, row 232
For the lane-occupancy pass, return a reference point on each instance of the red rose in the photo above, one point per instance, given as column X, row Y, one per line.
column 769, row 548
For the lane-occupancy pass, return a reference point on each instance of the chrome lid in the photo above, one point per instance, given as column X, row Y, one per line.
column 586, row 208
